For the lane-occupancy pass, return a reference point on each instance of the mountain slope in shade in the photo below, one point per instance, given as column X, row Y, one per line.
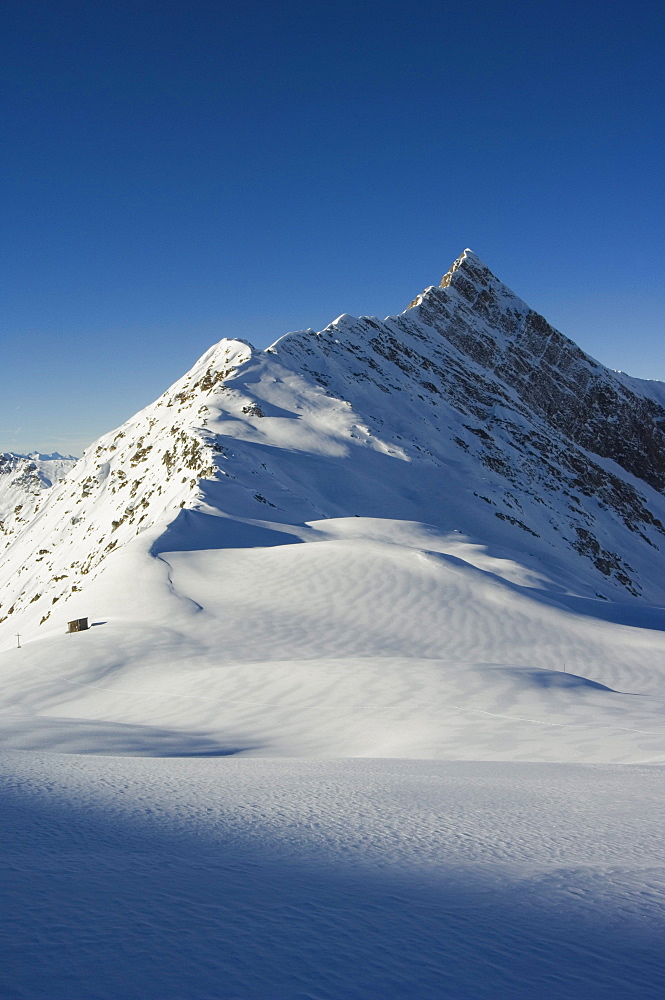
column 365, row 540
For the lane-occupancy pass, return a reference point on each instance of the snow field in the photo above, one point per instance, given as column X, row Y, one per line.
column 345, row 646
column 285, row 879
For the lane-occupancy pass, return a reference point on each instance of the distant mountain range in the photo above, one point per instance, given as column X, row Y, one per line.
column 24, row 480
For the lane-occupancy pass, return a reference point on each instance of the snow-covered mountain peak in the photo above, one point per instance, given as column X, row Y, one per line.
column 468, row 412
column 217, row 364
column 55, row 456
column 470, row 264
column 471, row 279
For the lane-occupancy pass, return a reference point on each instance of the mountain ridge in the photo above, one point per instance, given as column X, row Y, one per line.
column 465, row 410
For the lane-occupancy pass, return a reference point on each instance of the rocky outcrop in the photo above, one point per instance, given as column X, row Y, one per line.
column 550, row 375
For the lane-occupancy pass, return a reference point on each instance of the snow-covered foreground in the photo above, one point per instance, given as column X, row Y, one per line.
column 355, row 637
column 164, row 838
column 283, row 879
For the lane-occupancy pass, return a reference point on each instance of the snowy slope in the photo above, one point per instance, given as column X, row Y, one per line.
column 362, row 541
column 24, row 480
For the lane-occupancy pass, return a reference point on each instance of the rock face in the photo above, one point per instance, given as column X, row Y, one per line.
column 468, row 411
column 552, row 378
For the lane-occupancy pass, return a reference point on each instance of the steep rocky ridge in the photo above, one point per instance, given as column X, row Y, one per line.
column 467, row 411
column 552, row 427
column 550, row 375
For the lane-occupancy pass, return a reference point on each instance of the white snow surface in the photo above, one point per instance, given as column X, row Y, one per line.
column 24, row 480
column 355, row 637
column 343, row 726
column 268, row 879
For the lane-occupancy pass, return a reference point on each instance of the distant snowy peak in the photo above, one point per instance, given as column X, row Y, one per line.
column 49, row 468
column 472, row 267
column 24, row 480
column 474, row 274
column 492, row 329
column 55, row 456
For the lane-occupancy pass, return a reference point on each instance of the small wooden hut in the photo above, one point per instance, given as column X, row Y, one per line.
column 78, row 625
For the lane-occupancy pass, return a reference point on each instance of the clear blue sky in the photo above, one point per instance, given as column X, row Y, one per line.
column 175, row 173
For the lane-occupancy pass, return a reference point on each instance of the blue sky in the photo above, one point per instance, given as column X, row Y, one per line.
column 177, row 173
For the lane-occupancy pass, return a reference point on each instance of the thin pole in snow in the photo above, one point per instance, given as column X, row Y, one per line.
column 18, row 640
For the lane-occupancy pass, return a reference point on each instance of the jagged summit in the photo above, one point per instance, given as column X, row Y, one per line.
column 469, row 276
column 468, row 411
column 468, row 262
